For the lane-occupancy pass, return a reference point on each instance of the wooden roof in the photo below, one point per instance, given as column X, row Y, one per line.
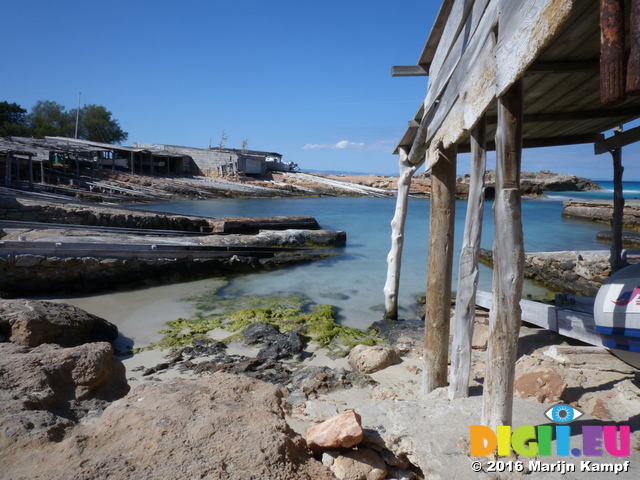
column 477, row 49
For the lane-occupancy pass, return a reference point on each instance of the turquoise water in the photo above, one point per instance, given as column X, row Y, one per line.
column 353, row 282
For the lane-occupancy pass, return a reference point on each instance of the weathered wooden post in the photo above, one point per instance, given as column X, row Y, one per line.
column 615, row 260
column 508, row 258
column 7, row 173
column 468, row 270
column 394, row 259
column 633, row 64
column 612, row 54
column 439, row 270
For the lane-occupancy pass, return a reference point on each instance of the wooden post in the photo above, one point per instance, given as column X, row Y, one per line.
column 612, row 55
column 31, row 171
column 394, row 259
column 132, row 164
column 468, row 271
column 439, row 270
column 615, row 260
column 42, row 171
column 151, row 169
column 7, row 173
column 508, row 268
column 633, row 65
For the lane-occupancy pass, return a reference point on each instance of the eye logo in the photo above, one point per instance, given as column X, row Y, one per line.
column 563, row 414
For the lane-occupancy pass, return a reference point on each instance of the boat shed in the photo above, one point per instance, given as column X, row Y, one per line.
column 506, row 75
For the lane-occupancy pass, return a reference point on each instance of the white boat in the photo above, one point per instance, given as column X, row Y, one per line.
column 617, row 313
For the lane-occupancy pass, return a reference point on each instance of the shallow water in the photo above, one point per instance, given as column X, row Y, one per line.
column 353, row 282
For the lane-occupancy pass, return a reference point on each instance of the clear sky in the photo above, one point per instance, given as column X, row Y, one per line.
column 308, row 79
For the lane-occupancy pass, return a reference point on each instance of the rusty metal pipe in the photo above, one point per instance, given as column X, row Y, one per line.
column 612, row 61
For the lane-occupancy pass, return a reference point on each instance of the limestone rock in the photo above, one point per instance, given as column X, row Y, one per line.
column 44, row 389
column 366, row 359
column 343, row 430
column 34, row 322
column 546, row 386
column 219, row 426
column 362, row 464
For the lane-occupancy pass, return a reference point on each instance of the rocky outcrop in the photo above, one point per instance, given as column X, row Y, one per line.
column 547, row 181
column 220, row 426
column 576, row 273
column 34, row 322
column 602, row 211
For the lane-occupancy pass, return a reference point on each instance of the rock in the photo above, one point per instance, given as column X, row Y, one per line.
column 363, row 464
column 546, row 386
column 218, row 426
column 34, row 322
column 44, row 389
column 405, row 336
column 276, row 345
column 370, row 359
column 342, row 431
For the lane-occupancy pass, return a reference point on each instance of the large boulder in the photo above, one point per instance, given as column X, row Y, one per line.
column 44, row 390
column 220, row 426
column 370, row 359
column 34, row 322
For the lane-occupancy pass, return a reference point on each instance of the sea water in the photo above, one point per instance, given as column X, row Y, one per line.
column 354, row 280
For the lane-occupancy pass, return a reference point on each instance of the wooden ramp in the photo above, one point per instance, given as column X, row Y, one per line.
column 572, row 322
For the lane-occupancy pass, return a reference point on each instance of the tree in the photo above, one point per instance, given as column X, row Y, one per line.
column 13, row 120
column 49, row 118
column 97, row 125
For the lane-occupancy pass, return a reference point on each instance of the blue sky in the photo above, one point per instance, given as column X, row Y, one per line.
column 308, row 79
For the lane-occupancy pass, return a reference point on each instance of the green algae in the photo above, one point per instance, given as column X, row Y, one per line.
column 317, row 323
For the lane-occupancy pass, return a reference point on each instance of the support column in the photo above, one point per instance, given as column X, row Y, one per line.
column 151, row 166
column 439, row 270
column 508, row 264
column 468, row 270
column 30, row 171
column 7, row 173
column 394, row 259
column 615, row 260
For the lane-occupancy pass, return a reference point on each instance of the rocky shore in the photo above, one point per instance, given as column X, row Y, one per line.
column 61, row 246
column 268, row 405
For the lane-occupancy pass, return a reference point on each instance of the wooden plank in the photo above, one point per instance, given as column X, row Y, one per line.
column 578, row 325
column 410, row 70
column 439, row 273
column 508, row 271
column 619, row 140
column 474, row 73
column 544, row 142
column 468, row 271
column 525, row 29
column 435, row 34
column 617, row 221
column 463, row 25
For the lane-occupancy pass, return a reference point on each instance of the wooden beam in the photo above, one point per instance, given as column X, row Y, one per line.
column 544, row 142
column 619, row 140
column 578, row 115
column 612, row 52
column 439, row 272
column 468, row 271
column 410, row 70
column 508, row 271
